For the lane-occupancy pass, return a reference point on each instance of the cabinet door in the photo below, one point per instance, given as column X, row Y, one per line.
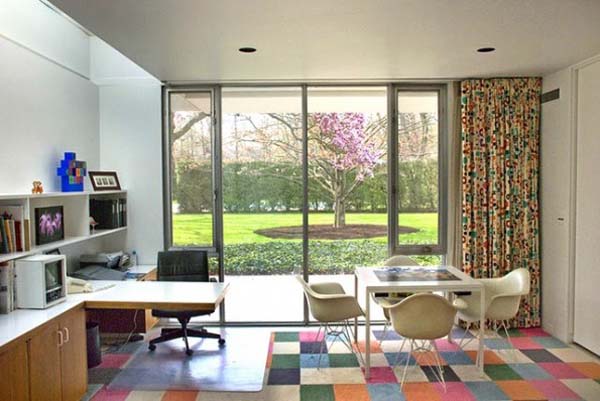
column 74, row 356
column 44, row 364
column 13, row 362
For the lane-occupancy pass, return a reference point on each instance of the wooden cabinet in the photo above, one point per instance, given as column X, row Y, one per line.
column 73, row 356
column 44, row 363
column 57, row 359
column 14, row 385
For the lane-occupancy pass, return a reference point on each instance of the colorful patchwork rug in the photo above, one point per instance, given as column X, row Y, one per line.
column 540, row 367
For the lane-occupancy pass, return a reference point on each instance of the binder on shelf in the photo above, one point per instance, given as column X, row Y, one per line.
column 108, row 213
column 7, row 287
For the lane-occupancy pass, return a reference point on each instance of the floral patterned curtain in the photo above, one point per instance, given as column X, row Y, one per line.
column 500, row 169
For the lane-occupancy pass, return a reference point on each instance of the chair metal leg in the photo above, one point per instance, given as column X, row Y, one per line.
column 439, row 364
column 406, row 365
column 462, row 339
column 323, row 343
column 386, row 330
column 400, row 353
column 348, row 331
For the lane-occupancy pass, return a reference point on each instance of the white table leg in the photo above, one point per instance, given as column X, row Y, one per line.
column 367, row 336
column 356, row 319
column 480, row 357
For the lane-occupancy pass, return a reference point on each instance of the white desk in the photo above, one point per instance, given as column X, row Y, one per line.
column 124, row 295
column 168, row 295
column 372, row 284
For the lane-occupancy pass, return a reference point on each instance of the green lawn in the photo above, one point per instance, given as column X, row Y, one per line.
column 196, row 229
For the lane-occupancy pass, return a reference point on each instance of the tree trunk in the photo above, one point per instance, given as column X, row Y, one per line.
column 340, row 213
column 339, row 202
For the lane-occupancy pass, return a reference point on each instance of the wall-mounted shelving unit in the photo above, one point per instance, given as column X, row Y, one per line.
column 76, row 209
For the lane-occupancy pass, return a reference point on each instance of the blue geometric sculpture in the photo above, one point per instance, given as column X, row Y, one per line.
column 71, row 173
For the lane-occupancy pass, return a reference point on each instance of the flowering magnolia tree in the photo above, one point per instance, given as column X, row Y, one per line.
column 343, row 153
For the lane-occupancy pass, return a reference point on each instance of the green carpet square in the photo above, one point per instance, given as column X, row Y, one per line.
column 317, row 392
column 511, row 333
column 501, row 372
column 343, row 361
column 284, row 337
column 285, row 361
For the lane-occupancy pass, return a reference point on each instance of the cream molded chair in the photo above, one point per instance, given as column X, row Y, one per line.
column 384, row 299
column 332, row 308
column 502, row 299
column 425, row 317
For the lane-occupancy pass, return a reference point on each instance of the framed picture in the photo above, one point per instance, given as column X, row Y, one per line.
column 105, row 180
column 49, row 224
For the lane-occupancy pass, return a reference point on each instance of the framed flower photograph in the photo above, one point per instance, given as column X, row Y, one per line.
column 104, row 180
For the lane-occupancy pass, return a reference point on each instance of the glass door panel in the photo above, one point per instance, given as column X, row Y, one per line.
column 347, row 169
column 262, row 203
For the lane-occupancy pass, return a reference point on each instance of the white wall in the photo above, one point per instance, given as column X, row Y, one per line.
column 555, row 204
column 130, row 143
column 35, row 26
column 109, row 67
column 45, row 110
column 586, row 319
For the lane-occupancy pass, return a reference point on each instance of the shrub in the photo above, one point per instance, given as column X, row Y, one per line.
column 326, row 257
column 269, row 187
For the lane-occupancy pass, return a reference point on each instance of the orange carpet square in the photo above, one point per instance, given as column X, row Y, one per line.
column 174, row 395
column 427, row 358
column 489, row 357
column 421, row 392
column 520, row 390
column 351, row 392
column 590, row 369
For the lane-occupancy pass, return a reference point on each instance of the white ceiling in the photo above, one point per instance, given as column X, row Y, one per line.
column 309, row 40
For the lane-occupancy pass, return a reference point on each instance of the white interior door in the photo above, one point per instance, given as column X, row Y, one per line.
column 587, row 248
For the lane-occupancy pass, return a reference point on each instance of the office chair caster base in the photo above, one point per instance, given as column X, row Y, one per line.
column 189, row 352
column 221, row 341
column 151, row 347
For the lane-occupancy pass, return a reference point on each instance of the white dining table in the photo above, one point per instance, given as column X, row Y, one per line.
column 366, row 278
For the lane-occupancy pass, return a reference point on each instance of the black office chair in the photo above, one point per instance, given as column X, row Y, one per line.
column 182, row 266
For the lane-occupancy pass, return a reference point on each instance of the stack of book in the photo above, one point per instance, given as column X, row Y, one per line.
column 8, row 301
column 14, row 230
column 109, row 213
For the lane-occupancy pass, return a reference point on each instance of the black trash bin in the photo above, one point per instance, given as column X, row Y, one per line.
column 94, row 353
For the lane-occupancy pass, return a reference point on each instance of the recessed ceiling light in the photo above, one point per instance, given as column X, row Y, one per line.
column 247, row 49
column 486, row 49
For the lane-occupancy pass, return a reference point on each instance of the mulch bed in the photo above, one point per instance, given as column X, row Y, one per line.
column 327, row 231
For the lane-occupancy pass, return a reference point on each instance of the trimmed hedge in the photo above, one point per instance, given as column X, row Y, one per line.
column 326, row 257
column 268, row 187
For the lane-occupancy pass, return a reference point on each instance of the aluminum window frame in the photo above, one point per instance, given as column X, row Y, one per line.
column 394, row 248
column 439, row 248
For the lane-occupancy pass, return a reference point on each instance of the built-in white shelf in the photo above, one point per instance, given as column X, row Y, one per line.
column 76, row 208
column 59, row 244
column 58, row 194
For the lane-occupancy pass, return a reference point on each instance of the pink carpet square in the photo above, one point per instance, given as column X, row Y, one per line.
column 381, row 374
column 310, row 336
column 524, row 343
column 455, row 391
column 106, row 395
column 114, row 360
column 445, row 345
column 534, row 332
column 561, row 370
column 554, row 390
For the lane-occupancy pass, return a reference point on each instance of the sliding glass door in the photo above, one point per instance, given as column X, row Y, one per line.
column 315, row 180
column 347, row 181
column 262, row 202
